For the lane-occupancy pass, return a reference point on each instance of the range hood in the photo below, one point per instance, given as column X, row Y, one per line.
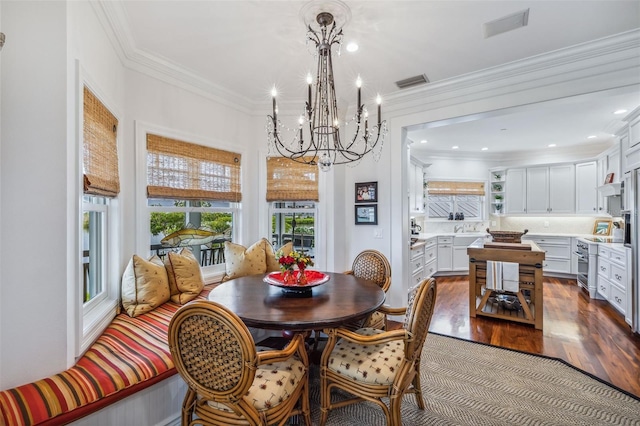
column 610, row 189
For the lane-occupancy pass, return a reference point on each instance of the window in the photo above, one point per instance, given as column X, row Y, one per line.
column 203, row 226
column 101, row 186
column 448, row 198
column 193, row 198
column 94, row 247
column 294, row 221
column 293, row 207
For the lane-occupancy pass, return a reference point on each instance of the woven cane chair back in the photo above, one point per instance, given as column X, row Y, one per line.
column 373, row 265
column 212, row 350
column 422, row 300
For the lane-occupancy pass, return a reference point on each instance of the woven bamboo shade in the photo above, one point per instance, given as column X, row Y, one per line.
column 186, row 171
column 288, row 180
column 99, row 148
column 455, row 188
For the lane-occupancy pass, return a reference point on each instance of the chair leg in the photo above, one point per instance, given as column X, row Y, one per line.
column 395, row 417
column 325, row 399
column 306, row 410
column 417, row 387
column 187, row 407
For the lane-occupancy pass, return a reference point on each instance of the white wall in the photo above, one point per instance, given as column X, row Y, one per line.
column 33, row 161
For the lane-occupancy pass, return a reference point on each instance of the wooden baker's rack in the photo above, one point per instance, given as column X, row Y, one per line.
column 529, row 257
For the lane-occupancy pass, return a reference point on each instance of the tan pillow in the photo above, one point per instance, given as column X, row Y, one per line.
column 145, row 285
column 241, row 261
column 272, row 262
column 185, row 274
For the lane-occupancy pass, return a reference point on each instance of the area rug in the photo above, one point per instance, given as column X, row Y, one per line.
column 466, row 383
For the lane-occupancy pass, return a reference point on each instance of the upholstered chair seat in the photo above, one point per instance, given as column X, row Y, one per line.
column 369, row 364
column 376, row 365
column 273, row 384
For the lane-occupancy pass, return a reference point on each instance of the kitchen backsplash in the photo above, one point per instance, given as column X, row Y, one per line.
column 574, row 225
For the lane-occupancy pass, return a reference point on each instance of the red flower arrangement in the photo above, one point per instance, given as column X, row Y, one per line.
column 301, row 260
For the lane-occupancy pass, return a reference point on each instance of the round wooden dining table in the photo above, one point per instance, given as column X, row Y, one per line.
column 342, row 299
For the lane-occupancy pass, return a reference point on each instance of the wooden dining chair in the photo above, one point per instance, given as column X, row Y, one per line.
column 373, row 365
column 229, row 382
column 373, row 265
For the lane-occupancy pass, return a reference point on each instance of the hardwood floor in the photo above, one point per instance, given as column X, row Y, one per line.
column 588, row 334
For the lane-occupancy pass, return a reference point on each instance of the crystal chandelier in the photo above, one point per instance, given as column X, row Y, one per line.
column 317, row 137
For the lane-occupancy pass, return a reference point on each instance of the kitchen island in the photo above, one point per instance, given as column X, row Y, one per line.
column 524, row 305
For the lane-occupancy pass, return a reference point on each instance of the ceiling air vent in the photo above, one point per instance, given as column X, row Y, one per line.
column 412, row 81
column 506, row 23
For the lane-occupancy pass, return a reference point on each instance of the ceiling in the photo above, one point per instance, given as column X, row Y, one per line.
column 241, row 49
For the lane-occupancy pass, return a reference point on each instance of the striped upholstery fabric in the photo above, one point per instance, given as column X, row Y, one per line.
column 130, row 352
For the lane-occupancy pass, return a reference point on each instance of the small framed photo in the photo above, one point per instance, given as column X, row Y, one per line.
column 602, row 227
column 367, row 214
column 609, row 178
column 367, row 192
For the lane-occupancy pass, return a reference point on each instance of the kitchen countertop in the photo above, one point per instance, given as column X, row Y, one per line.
column 423, row 236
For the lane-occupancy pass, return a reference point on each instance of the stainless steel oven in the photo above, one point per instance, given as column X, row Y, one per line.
column 582, row 253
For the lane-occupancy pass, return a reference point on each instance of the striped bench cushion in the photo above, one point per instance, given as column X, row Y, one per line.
column 131, row 354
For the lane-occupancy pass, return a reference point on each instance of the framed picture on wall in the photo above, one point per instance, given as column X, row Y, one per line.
column 367, row 192
column 366, row 214
column 609, row 178
column 602, row 227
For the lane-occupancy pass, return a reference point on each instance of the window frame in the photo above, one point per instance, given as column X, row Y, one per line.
column 209, row 272
column 212, row 273
column 284, row 210
column 87, row 321
column 482, row 208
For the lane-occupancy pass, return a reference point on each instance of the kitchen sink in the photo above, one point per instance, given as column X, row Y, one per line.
column 466, row 239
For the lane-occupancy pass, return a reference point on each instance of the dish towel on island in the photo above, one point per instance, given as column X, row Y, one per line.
column 503, row 276
column 510, row 276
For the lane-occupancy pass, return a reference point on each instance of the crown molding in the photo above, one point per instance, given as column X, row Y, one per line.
column 113, row 17
column 590, row 59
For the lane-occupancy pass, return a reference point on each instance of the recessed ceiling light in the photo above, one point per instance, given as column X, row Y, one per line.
column 352, row 47
column 551, row 145
column 423, row 141
column 484, row 148
column 591, row 137
column 620, row 111
column 455, row 147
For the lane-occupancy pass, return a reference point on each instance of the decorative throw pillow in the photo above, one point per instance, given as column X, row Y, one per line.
column 145, row 285
column 272, row 262
column 185, row 276
column 241, row 261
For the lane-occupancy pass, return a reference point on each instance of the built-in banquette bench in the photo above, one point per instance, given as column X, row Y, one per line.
column 132, row 353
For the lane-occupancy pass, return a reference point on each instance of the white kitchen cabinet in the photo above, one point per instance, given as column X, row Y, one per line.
column 550, row 190
column 445, row 253
column 587, row 188
column 613, row 165
column 430, row 257
column 515, row 191
column 634, row 131
column 460, row 259
column 416, row 187
column 614, row 281
column 602, row 170
column 417, row 263
column 557, row 253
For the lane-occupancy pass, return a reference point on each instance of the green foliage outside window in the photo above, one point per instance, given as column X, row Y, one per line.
column 167, row 223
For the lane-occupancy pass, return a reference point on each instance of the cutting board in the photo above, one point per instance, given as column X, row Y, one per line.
column 509, row 246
